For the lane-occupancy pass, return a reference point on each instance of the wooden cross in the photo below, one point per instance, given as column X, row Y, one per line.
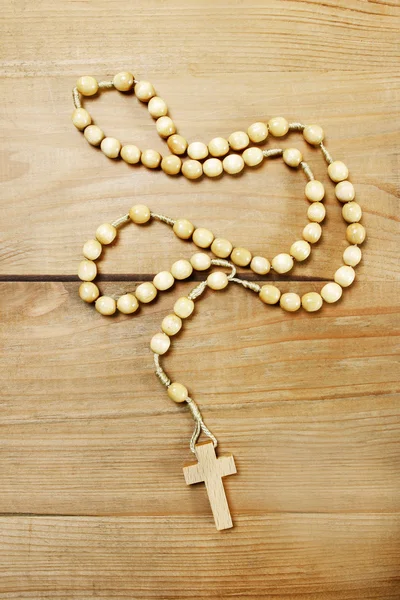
column 211, row 469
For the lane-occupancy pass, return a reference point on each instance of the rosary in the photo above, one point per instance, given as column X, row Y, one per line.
column 221, row 155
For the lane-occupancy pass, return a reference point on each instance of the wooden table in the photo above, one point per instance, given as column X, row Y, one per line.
column 93, row 502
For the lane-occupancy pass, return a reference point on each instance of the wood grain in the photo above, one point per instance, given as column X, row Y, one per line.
column 93, row 501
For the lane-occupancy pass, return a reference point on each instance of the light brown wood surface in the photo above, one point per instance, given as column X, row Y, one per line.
column 93, row 503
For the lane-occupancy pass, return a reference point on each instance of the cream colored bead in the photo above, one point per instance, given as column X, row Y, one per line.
column 233, row 164
column 351, row 212
column 311, row 302
column 160, row 343
column 177, row 144
column 200, row 261
column 312, row 232
column 123, row 82
column 81, row 118
column 157, row 107
column 106, row 233
column 181, row 269
column 127, row 304
column 217, row 280
column 130, row 154
column 253, row 156
column 171, row 324
column 144, row 91
column 106, row 305
column 197, row 150
column 316, row 212
column 344, row 276
column 241, row 256
column 331, row 292
column 192, row 169
column 139, row 214
column 260, row 265
column 269, row 294
column 292, row 157
column 177, row 392
column 300, row 250
column 258, row 132
column 313, row 134
column 146, row 292
column 165, row 127
column 203, row 237
column 151, row 159
column 183, row 307
column 110, row 147
column 352, row 256
column 87, row 85
column 282, row 263
column 221, row 247
column 278, row 126
column 88, row 291
column 338, row 171
column 218, row 146
column 87, row 270
column 163, row 280
column 94, row 135
column 355, row 233
column 183, row 229
column 92, row 249
column 238, row 140
column 345, row 191
column 171, row 165
column 314, row 191
column 212, row 167
column 290, row 302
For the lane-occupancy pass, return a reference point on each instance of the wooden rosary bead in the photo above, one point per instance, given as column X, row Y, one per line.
column 313, row 134
column 183, row 229
column 106, row 233
column 92, row 249
column 88, row 291
column 338, row 171
column 257, row 132
column 130, row 154
column 344, row 276
column 94, row 135
column 282, row 263
column 221, row 247
column 351, row 212
column 164, row 280
column 331, row 292
column 197, row 150
column 344, row 191
column 139, row 214
column 312, row 301
column 127, row 304
column 181, row 269
column 81, row 118
column 314, row 191
column 278, row 126
column 160, row 343
column 171, row 164
column 290, row 302
column 233, row 164
column 183, row 307
column 87, row 85
column 241, row 257
column 192, row 169
column 312, row 232
column 292, row 157
column 218, row 146
column 212, row 167
column 165, row 127
column 171, row 324
column 217, row 280
column 106, row 305
column 87, row 270
column 355, row 233
column 300, row 250
column 177, row 144
column 144, row 91
column 146, row 292
column 253, row 156
column 151, row 159
column 352, row 256
column 200, row 261
column 316, row 212
column 269, row 294
column 238, row 140
column 203, row 237
column 260, row 265
column 123, row 82
column 110, row 147
column 157, row 107
column 177, row 392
